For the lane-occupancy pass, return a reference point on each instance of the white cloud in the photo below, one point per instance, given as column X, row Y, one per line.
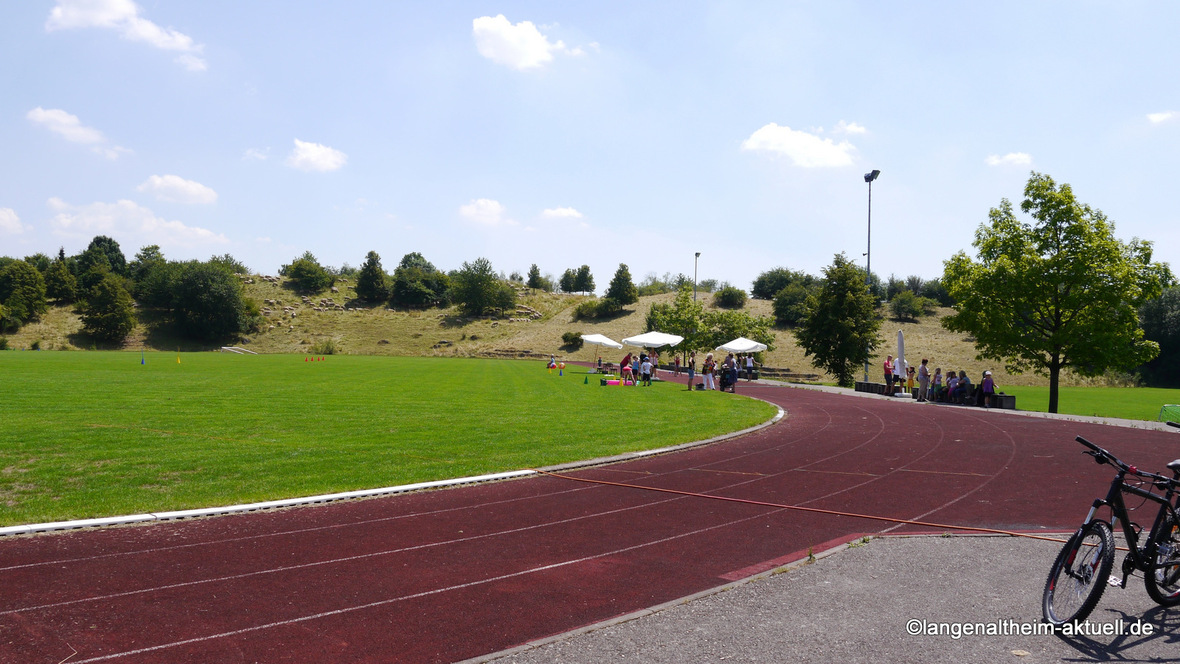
column 1010, row 159
column 561, row 213
column 175, row 189
column 10, row 223
column 254, row 154
column 843, row 127
column 1157, row 118
column 69, row 127
column 123, row 16
column 192, row 62
column 126, row 220
column 486, row 212
column 520, row 46
column 316, row 157
column 65, row 125
column 804, row 149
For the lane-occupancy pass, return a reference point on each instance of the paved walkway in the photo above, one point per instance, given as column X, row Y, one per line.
column 860, row 605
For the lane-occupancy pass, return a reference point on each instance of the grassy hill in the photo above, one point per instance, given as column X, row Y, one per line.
column 368, row 330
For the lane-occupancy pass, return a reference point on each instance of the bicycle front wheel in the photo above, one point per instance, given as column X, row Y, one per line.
column 1163, row 579
column 1079, row 575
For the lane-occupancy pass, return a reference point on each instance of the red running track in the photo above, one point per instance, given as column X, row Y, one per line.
column 448, row 575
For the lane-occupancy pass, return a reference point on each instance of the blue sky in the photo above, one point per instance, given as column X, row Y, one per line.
column 577, row 133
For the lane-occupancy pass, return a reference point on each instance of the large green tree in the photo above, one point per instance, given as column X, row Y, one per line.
column 22, row 292
column 60, row 283
column 1059, row 292
column 622, row 289
column 725, row 326
column 685, row 317
column 108, row 313
column 103, row 247
column 840, row 330
column 208, row 302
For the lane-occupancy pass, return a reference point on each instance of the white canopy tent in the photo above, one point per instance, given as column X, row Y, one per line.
column 742, row 345
column 600, row 340
column 653, row 340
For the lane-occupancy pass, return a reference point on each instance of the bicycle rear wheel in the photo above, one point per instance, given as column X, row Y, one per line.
column 1163, row 579
column 1079, row 575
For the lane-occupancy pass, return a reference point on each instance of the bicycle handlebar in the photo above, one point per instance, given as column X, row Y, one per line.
column 1102, row 456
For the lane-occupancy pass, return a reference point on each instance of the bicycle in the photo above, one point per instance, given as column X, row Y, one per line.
column 1082, row 570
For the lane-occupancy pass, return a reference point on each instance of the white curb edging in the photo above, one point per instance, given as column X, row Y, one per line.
column 252, row 507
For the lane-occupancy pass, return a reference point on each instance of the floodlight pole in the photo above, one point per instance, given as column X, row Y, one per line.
column 869, row 177
column 694, row 276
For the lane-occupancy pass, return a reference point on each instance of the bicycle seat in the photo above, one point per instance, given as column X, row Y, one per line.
column 1174, row 466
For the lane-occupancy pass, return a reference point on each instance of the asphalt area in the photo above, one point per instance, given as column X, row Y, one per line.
column 456, row 574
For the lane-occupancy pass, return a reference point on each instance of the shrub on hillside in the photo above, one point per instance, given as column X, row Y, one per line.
column 306, row 275
column 325, row 347
column 572, row 340
column 600, row 308
column 476, row 288
column 790, row 304
column 730, row 297
column 907, row 306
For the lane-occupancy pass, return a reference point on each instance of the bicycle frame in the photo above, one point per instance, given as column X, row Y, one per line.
column 1138, row 558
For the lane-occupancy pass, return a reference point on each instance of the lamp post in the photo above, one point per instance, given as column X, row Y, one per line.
column 694, row 276
column 869, row 177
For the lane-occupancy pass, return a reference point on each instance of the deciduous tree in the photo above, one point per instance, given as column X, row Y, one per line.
column 1059, row 292
column 476, row 287
column 840, row 329
column 108, row 313
column 22, row 292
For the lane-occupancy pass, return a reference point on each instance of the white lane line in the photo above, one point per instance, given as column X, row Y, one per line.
column 392, row 600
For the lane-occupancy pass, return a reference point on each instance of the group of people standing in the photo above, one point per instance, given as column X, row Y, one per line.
column 718, row 376
column 640, row 368
column 957, row 388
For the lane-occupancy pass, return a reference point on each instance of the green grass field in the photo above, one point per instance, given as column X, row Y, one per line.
column 99, row 434
column 1132, row 403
